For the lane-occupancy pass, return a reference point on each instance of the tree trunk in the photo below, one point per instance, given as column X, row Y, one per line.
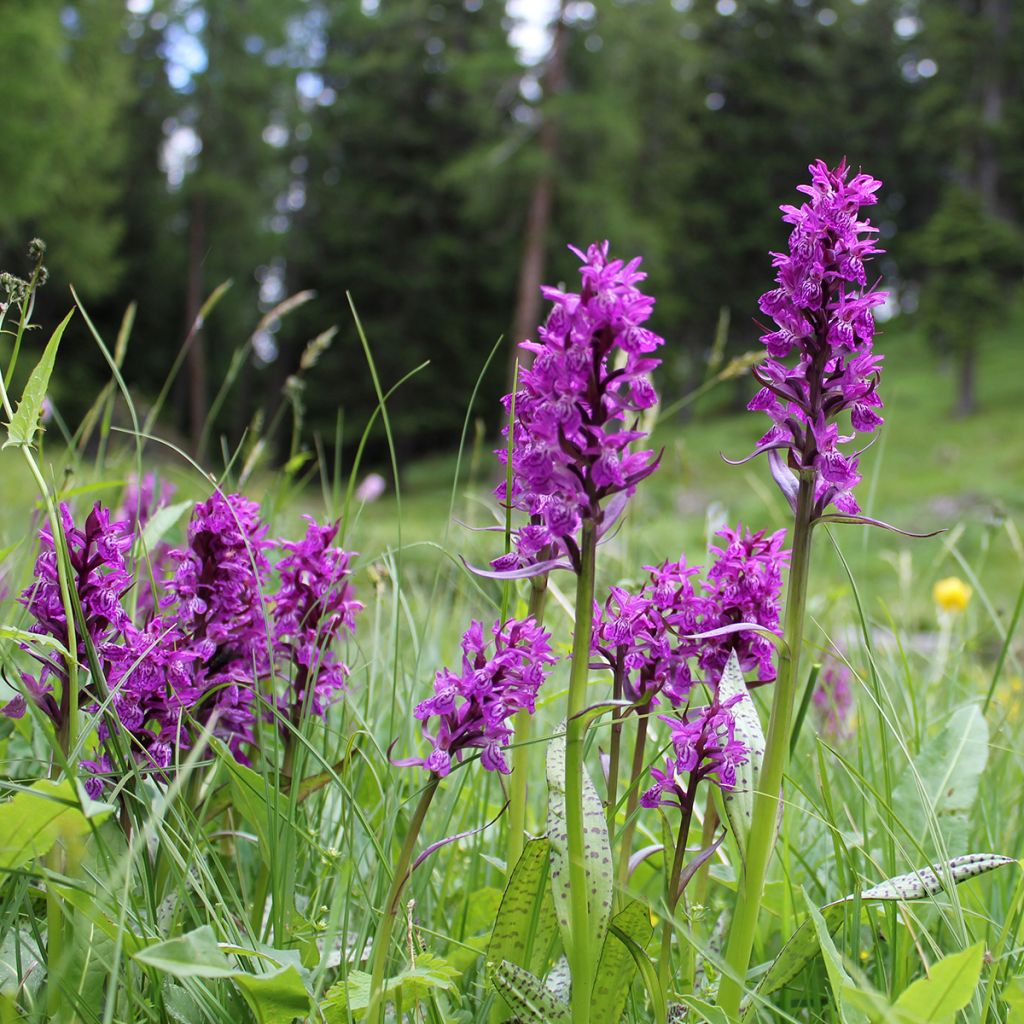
column 538, row 218
column 967, row 397
column 196, row 358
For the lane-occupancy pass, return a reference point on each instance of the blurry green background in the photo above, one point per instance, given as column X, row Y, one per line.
column 432, row 158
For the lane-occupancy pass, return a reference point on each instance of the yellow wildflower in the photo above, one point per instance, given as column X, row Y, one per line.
column 952, row 594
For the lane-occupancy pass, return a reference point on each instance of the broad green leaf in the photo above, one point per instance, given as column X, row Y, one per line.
column 277, row 997
column 940, row 791
column 597, row 852
column 947, row 989
column 617, row 968
column 803, row 944
column 262, row 806
column 181, row 1006
column 739, row 802
column 838, row 977
column 193, row 955
column 528, row 996
column 37, row 817
column 1013, row 996
column 525, row 925
column 705, row 1011
column 161, row 521
column 25, row 421
column 410, row 985
column 88, row 904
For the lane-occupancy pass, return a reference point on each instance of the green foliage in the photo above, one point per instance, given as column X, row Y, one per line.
column 36, row 818
column 25, row 422
column 409, row 987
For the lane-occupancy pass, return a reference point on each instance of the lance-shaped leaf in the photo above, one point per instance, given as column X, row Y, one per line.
column 527, row 996
column 803, row 945
column 838, row 977
column 559, row 980
column 39, row 816
column 617, row 968
column 525, row 925
column 739, row 801
column 867, row 521
column 597, row 853
column 948, row 988
column 936, row 797
column 25, row 421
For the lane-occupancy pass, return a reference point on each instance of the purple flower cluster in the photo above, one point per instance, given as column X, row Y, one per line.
column 648, row 639
column 221, row 638
column 571, row 439
column 704, row 745
column 139, row 503
column 472, row 707
column 833, row 699
column 314, row 604
column 822, row 310
column 744, row 584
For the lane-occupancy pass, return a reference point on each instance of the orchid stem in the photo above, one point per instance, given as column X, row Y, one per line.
column 382, row 942
column 522, row 726
column 761, row 840
column 579, row 956
column 633, row 800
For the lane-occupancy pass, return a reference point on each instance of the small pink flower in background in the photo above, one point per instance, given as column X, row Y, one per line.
column 833, row 700
column 372, row 487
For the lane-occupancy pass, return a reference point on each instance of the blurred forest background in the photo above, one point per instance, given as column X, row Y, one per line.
column 433, row 158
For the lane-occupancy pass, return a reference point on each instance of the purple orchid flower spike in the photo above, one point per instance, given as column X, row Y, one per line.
column 574, row 435
column 822, row 307
column 470, row 709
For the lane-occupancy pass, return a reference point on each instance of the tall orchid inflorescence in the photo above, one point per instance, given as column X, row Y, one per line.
column 498, row 677
column 572, row 437
column 822, row 307
column 210, row 652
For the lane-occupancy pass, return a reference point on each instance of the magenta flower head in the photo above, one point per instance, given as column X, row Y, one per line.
column 217, row 592
column 744, row 584
column 704, row 746
column 100, row 579
column 472, row 707
column 833, row 700
column 575, row 413
column 314, row 606
column 822, row 307
column 642, row 637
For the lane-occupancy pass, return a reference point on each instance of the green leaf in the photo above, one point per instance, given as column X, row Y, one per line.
column 193, row 955
column 617, row 968
column 739, row 801
column 940, row 791
column 277, row 997
column 526, row 924
column 410, row 985
column 528, row 996
column 837, row 974
column 948, row 988
column 262, row 806
column 161, row 521
column 705, row 1011
column 38, row 817
column 803, row 944
column 1013, row 996
column 597, row 854
column 25, row 421
column 23, row 636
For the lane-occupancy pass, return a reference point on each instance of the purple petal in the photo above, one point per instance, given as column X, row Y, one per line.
column 524, row 573
column 451, row 839
column 784, row 477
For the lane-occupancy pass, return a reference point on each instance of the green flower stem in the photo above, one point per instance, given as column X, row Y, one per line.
column 382, row 941
column 633, row 800
column 672, row 893
column 615, row 746
column 580, row 960
column 766, row 801
column 522, row 726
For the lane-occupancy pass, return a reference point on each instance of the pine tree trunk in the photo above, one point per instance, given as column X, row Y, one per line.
column 967, row 397
column 196, row 359
column 538, row 218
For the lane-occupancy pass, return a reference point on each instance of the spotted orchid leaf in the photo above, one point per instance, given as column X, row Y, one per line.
column 527, row 996
column 596, row 852
column 525, row 926
column 617, row 967
column 739, row 801
column 804, row 944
